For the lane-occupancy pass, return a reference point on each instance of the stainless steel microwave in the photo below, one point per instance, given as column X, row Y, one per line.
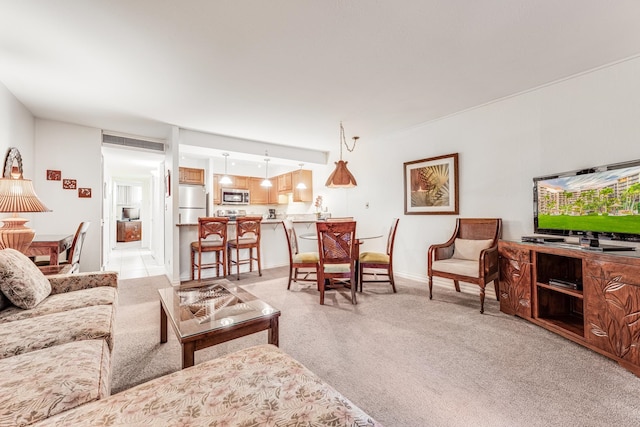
column 235, row 197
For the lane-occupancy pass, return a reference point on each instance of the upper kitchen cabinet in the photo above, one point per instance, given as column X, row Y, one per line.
column 237, row 182
column 284, row 183
column 191, row 176
column 258, row 195
column 305, row 177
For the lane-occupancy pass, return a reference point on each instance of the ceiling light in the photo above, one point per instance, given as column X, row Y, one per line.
column 301, row 185
column 225, row 178
column 266, row 182
column 341, row 177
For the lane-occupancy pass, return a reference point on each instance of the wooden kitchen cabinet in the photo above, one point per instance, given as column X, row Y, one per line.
column 191, row 176
column 237, row 181
column 129, row 231
column 258, row 195
column 284, row 183
column 305, row 177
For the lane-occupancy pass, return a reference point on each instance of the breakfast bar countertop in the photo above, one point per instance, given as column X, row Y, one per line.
column 264, row 221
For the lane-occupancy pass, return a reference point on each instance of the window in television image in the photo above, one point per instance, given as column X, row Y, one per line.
column 605, row 202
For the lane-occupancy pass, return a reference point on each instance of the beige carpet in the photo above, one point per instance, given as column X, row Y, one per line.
column 405, row 360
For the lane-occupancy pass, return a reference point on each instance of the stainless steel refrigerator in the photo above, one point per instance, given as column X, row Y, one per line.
column 192, row 201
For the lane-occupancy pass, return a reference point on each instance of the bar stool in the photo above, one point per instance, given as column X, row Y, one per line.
column 247, row 237
column 207, row 226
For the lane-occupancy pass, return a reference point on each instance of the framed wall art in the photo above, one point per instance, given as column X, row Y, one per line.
column 69, row 184
column 54, row 175
column 84, row 193
column 431, row 186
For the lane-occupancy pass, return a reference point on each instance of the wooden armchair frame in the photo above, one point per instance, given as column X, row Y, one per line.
column 488, row 269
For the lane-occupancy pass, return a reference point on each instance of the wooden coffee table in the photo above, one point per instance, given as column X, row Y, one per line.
column 207, row 313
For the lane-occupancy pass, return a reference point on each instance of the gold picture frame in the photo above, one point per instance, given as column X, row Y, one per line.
column 431, row 186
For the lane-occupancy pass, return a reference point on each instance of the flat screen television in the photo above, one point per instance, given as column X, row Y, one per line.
column 599, row 202
column 130, row 214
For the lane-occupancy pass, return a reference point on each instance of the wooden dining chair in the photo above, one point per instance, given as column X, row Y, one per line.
column 300, row 263
column 336, row 251
column 247, row 237
column 72, row 263
column 212, row 237
column 378, row 261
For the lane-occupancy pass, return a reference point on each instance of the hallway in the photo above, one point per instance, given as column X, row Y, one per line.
column 131, row 261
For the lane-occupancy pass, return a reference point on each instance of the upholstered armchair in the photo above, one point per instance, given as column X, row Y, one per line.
column 470, row 255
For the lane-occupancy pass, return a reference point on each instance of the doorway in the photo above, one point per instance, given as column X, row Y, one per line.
column 133, row 214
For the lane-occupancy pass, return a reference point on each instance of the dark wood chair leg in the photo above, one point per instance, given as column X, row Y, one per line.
column 481, row 299
column 497, row 288
column 430, row 287
column 259, row 264
column 457, row 285
column 391, row 280
column 193, row 264
column 290, row 277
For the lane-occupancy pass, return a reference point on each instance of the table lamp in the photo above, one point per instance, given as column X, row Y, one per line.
column 17, row 196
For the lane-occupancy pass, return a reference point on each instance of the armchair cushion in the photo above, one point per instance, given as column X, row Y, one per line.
column 21, row 280
column 462, row 267
column 467, row 249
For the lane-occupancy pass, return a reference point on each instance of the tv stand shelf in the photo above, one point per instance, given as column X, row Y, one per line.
column 602, row 314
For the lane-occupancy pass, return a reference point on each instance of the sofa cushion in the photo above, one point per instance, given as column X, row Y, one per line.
column 36, row 385
column 58, row 303
column 21, row 280
column 463, row 267
column 470, row 249
column 23, row 336
column 259, row 385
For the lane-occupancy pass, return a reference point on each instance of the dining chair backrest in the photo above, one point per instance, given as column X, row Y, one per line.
column 76, row 246
column 213, row 226
column 340, row 219
column 248, row 227
column 336, row 242
column 392, row 235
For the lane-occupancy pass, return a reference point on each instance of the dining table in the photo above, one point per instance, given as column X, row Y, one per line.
column 356, row 255
column 51, row 245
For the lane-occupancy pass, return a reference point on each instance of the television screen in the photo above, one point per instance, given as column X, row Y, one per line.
column 130, row 214
column 603, row 201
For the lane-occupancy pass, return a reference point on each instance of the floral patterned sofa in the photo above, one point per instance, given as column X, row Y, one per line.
column 56, row 336
column 257, row 386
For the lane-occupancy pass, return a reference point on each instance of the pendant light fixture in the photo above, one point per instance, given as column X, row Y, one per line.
column 341, row 177
column 266, row 182
column 225, row 178
column 301, row 185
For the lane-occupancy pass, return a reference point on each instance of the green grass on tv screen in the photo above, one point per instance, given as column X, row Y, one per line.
column 607, row 224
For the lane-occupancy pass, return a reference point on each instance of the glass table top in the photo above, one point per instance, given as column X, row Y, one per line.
column 208, row 306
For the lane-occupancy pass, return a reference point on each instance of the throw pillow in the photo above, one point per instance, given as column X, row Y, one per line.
column 470, row 249
column 21, row 281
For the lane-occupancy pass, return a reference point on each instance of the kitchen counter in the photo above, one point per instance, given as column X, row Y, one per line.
column 264, row 221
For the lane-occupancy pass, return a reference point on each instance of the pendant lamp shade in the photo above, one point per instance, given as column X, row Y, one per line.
column 341, row 177
column 266, row 182
column 16, row 196
column 225, row 178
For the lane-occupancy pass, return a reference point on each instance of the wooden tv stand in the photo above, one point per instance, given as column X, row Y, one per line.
column 603, row 314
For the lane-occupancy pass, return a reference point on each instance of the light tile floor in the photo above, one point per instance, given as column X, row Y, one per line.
column 130, row 260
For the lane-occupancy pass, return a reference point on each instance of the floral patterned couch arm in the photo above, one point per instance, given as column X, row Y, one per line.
column 72, row 282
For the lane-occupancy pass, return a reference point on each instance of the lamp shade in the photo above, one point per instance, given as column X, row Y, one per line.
column 341, row 177
column 18, row 195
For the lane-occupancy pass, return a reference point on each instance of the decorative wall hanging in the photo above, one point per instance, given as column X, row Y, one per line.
column 54, row 175
column 69, row 184
column 431, row 186
column 84, row 192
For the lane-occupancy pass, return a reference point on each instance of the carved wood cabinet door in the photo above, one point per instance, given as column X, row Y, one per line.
column 612, row 308
column 515, row 280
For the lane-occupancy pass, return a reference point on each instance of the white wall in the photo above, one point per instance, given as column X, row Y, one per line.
column 76, row 151
column 589, row 120
column 16, row 130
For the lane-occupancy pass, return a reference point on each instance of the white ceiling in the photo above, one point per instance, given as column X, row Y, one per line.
column 288, row 71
